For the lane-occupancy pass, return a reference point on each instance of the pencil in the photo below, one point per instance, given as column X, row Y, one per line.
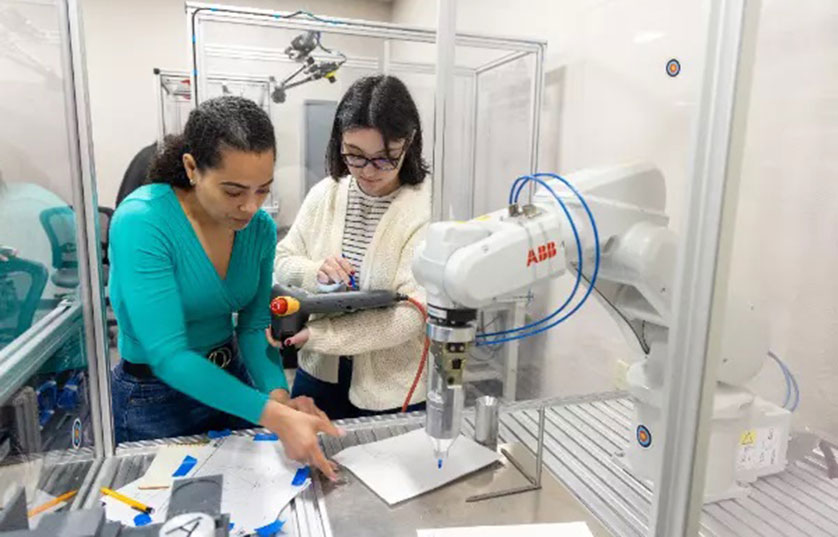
column 141, row 507
column 52, row 503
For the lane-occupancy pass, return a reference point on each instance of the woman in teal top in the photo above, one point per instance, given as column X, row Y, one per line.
column 188, row 252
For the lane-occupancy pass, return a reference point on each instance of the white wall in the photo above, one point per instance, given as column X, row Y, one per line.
column 127, row 40
column 609, row 101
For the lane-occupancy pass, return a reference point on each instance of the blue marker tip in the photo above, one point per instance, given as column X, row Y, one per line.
column 439, row 464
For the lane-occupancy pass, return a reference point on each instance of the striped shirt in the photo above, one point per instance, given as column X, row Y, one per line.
column 363, row 213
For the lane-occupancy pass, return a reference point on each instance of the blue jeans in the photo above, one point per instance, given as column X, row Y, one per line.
column 333, row 399
column 147, row 408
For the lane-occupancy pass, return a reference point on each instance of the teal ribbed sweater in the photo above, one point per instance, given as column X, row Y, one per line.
column 172, row 307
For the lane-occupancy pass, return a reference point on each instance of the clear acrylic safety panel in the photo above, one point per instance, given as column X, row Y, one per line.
column 490, row 141
column 175, row 102
column 257, row 91
column 622, row 87
column 480, row 139
column 783, row 321
column 46, row 441
column 176, row 96
column 505, row 112
column 249, row 50
column 258, row 48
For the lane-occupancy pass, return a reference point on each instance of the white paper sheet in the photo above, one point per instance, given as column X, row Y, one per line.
column 257, row 481
column 574, row 529
column 402, row 467
column 167, row 461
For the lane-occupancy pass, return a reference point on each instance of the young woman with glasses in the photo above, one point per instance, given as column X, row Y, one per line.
column 359, row 226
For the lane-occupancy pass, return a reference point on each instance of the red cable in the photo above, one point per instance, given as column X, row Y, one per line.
column 418, row 305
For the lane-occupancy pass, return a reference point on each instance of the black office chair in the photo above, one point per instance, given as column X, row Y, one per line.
column 22, row 283
column 59, row 223
column 105, row 217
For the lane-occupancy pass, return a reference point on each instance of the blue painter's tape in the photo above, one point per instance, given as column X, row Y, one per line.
column 265, row 437
column 186, row 466
column 230, row 527
column 270, row 529
column 219, row 434
column 143, row 519
column 301, row 476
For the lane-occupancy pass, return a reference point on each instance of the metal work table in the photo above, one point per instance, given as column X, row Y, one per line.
column 582, row 438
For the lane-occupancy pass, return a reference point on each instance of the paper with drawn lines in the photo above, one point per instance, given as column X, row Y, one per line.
column 257, row 480
column 402, row 467
column 256, row 486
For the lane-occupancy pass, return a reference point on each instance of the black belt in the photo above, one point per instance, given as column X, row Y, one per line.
column 222, row 356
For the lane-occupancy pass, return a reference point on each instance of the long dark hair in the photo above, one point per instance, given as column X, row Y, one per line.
column 380, row 102
column 229, row 121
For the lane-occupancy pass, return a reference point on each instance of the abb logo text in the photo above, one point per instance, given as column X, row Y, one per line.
column 542, row 253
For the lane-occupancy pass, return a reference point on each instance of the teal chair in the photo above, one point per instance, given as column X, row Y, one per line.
column 59, row 223
column 22, row 283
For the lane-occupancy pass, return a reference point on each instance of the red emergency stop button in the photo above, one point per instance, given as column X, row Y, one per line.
column 279, row 306
column 284, row 305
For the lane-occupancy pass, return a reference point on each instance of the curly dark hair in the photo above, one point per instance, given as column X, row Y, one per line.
column 380, row 102
column 229, row 121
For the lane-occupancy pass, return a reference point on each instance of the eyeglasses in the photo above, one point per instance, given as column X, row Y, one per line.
column 379, row 163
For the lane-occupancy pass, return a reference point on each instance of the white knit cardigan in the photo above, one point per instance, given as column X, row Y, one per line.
column 385, row 344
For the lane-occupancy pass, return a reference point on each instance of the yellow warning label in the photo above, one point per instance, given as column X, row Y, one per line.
column 748, row 438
